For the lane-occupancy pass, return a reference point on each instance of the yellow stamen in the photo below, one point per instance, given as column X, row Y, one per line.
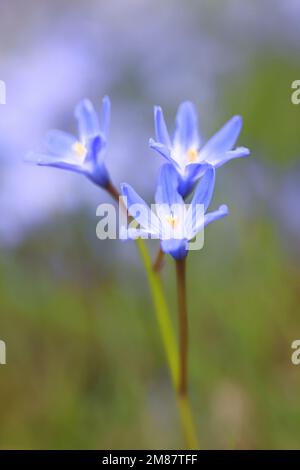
column 172, row 220
column 80, row 150
column 192, row 155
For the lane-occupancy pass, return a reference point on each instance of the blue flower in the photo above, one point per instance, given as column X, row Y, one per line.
column 186, row 152
column 84, row 154
column 172, row 222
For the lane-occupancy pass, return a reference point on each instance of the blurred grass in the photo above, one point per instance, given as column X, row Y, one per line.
column 86, row 368
column 262, row 95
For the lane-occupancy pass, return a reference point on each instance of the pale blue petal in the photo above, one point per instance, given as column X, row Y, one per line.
column 161, row 131
column 88, row 122
column 218, row 214
column 192, row 173
column 164, row 151
column 174, row 247
column 199, row 204
column 186, row 133
column 223, row 141
column 60, row 144
column 96, row 151
column 167, row 187
column 201, row 222
column 139, row 210
column 105, row 116
column 205, row 189
column 219, row 160
column 53, row 161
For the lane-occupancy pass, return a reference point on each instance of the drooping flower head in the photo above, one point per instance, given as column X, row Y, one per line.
column 172, row 222
column 186, row 152
column 84, row 154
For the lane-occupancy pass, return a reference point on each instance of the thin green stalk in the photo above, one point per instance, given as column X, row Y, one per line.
column 166, row 331
column 162, row 313
column 183, row 325
column 170, row 346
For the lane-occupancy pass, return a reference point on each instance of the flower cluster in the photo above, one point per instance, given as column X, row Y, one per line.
column 189, row 170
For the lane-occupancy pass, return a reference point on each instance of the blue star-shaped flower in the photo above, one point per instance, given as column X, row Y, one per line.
column 186, row 153
column 172, row 222
column 84, row 154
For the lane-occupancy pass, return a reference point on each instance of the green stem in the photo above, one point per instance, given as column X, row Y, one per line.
column 167, row 333
column 161, row 310
column 170, row 346
column 183, row 325
column 183, row 350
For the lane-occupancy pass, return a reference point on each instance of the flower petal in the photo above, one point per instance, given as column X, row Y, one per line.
column 219, row 160
column 205, row 189
column 96, row 151
column 199, row 204
column 164, row 151
column 218, row 214
column 174, row 247
column 88, row 122
column 223, row 140
column 167, row 186
column 55, row 162
column 105, row 116
column 186, row 133
column 60, row 144
column 201, row 222
column 170, row 206
column 139, row 210
column 161, row 131
column 192, row 173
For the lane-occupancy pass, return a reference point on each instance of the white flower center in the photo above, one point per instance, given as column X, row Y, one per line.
column 172, row 220
column 192, row 155
column 80, row 150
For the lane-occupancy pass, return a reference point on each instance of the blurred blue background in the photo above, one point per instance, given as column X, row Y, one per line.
column 85, row 365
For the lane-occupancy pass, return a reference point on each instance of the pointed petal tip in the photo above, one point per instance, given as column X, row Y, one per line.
column 187, row 104
column 106, row 101
column 35, row 158
column 124, row 187
column 187, row 107
column 85, row 103
column 237, row 120
column 244, row 151
column 157, row 109
column 151, row 142
column 224, row 209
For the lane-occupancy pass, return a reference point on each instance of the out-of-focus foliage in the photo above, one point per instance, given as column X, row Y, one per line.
column 263, row 96
column 85, row 363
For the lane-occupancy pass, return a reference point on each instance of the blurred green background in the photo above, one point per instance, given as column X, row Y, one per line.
column 85, row 365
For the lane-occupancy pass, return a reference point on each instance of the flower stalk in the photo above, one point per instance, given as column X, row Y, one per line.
column 183, row 325
column 159, row 261
column 170, row 345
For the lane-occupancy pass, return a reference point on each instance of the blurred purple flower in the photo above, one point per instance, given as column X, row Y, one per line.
column 84, row 155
